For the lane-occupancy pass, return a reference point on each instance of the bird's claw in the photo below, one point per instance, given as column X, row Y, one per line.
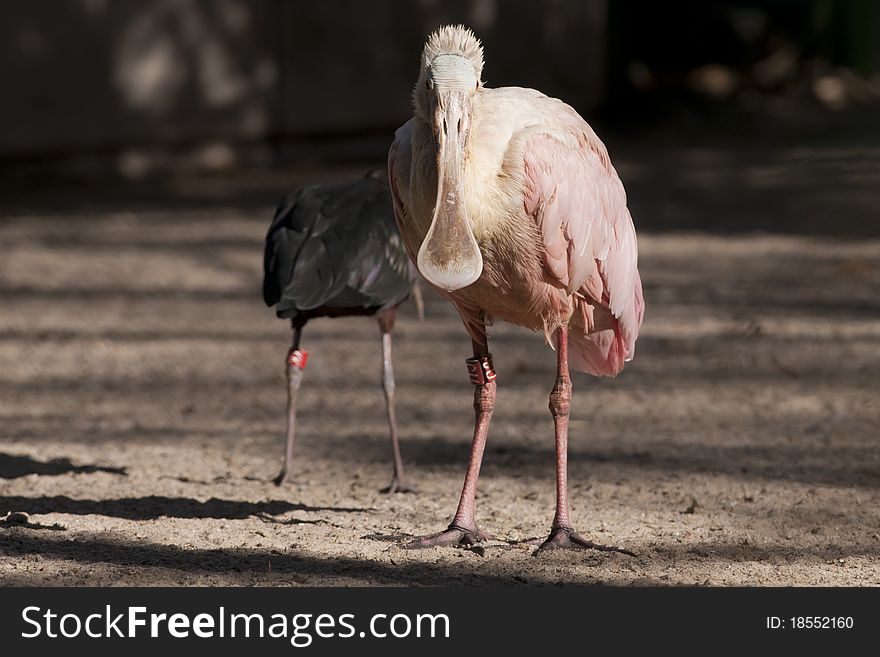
column 451, row 537
column 567, row 538
column 282, row 478
column 397, row 486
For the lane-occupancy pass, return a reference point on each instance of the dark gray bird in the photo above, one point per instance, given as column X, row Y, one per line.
column 334, row 250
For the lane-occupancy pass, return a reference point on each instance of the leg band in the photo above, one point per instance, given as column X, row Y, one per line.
column 297, row 359
column 481, row 370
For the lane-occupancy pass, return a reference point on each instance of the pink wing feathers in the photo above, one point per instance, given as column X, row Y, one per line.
column 579, row 206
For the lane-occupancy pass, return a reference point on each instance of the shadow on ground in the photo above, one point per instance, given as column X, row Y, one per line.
column 154, row 506
column 13, row 466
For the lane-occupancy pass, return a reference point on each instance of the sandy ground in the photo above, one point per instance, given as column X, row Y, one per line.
column 142, row 408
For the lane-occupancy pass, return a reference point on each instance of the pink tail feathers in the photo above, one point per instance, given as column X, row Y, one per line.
column 601, row 354
column 605, row 353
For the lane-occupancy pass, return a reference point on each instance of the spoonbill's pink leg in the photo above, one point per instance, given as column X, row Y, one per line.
column 296, row 364
column 562, row 534
column 386, row 325
column 463, row 530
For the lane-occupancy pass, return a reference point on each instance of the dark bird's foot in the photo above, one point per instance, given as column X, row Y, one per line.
column 452, row 537
column 567, row 538
column 397, row 486
column 282, row 478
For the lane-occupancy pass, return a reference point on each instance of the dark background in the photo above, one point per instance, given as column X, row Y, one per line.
column 134, row 89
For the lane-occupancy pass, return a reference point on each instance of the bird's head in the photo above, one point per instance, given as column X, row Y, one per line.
column 452, row 62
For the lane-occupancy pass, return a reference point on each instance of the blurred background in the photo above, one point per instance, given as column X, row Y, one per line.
column 144, row 145
column 128, row 90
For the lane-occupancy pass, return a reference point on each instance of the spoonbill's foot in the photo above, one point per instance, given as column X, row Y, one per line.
column 567, row 538
column 397, row 486
column 453, row 536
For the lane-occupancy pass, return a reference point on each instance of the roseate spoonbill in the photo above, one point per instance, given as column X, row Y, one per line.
column 333, row 250
column 507, row 201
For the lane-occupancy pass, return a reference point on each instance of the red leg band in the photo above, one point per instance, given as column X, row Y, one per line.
column 481, row 370
column 297, row 358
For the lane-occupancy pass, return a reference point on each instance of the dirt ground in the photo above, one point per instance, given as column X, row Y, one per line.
column 142, row 403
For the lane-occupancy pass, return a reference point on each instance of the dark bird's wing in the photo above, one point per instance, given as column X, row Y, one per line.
column 336, row 247
column 380, row 273
column 293, row 221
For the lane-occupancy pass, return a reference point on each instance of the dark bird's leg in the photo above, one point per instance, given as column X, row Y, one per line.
column 296, row 364
column 419, row 300
column 386, row 325
column 463, row 530
column 562, row 534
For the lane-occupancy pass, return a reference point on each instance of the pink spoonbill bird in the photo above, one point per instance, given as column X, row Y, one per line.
column 507, row 201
